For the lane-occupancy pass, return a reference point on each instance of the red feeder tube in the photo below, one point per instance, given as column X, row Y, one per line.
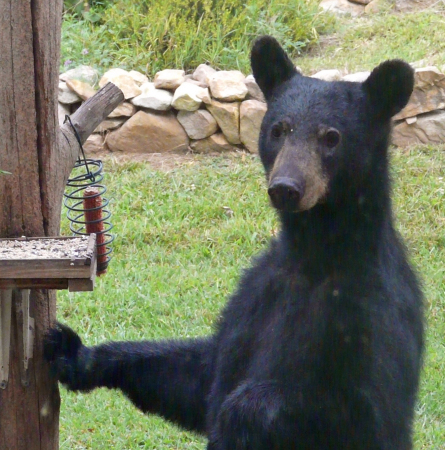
column 92, row 203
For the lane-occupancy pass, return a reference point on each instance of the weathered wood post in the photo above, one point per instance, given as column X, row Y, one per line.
column 40, row 158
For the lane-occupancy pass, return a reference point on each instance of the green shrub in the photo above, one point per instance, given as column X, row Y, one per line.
column 77, row 7
column 152, row 35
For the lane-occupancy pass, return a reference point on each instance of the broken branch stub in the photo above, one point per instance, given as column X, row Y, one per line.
column 85, row 120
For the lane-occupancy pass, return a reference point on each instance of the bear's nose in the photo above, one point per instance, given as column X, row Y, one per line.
column 285, row 193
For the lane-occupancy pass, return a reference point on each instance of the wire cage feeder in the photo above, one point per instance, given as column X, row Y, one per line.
column 87, row 207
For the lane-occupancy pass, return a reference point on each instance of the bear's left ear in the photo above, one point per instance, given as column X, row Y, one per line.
column 271, row 65
column 389, row 87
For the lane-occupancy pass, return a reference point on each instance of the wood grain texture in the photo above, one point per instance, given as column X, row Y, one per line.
column 28, row 141
column 20, row 191
column 45, row 268
column 40, row 158
column 85, row 120
column 72, row 284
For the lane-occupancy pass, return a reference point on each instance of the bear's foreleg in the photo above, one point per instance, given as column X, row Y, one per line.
column 169, row 378
column 253, row 416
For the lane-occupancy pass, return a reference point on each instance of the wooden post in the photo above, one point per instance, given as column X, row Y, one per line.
column 40, row 158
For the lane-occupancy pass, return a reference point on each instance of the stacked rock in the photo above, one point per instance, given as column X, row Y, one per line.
column 214, row 111
column 208, row 111
column 422, row 121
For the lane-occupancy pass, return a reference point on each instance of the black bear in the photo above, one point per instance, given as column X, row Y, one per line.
column 320, row 347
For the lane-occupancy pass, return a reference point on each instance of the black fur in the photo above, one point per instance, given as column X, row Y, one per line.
column 389, row 87
column 278, row 66
column 320, row 346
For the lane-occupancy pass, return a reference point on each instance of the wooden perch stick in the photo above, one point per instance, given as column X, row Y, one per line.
column 94, row 111
column 86, row 119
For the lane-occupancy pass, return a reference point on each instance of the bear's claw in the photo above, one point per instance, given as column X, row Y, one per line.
column 61, row 341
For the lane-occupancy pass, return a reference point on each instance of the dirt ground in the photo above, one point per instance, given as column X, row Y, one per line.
column 159, row 161
column 416, row 5
column 166, row 162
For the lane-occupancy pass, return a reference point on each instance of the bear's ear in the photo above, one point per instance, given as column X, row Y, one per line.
column 270, row 64
column 389, row 87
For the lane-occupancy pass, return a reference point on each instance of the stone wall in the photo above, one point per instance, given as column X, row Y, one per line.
column 215, row 111
column 423, row 119
column 207, row 111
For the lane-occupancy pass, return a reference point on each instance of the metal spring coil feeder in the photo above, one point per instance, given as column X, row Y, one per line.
column 86, row 205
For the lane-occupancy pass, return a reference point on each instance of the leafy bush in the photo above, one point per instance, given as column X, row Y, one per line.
column 151, row 35
column 77, row 7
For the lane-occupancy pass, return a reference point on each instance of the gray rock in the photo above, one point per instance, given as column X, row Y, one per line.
column 125, row 109
column 108, row 124
column 375, row 6
column 251, row 116
column 215, row 143
column 147, row 87
column 254, row 91
column 123, row 81
column 149, row 132
column 197, row 124
column 94, row 144
column 428, row 94
column 227, row 117
column 82, row 89
column 328, row 75
column 204, row 95
column 66, row 95
column 169, row 79
column 189, row 79
column 228, row 85
column 112, row 73
column 139, row 77
column 157, row 99
column 342, row 7
column 358, row 77
column 62, row 111
column 188, row 97
column 419, row 64
column 82, row 73
column 424, row 129
column 203, row 73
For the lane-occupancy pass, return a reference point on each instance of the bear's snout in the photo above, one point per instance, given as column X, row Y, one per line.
column 286, row 193
column 296, row 181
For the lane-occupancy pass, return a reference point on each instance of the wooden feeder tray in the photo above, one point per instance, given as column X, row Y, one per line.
column 48, row 263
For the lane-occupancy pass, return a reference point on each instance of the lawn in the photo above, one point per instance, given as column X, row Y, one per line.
column 123, row 34
column 361, row 44
column 182, row 238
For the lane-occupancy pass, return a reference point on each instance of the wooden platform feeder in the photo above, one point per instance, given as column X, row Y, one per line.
column 48, row 263
column 43, row 263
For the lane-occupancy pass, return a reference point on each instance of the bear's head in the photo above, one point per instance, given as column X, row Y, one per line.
column 320, row 140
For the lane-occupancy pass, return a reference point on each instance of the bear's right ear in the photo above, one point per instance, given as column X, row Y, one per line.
column 389, row 87
column 271, row 66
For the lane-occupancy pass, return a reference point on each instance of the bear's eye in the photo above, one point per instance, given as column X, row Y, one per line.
column 332, row 138
column 277, row 130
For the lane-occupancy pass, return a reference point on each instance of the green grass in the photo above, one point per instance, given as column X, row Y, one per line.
column 159, row 34
column 421, row 212
column 219, row 32
column 363, row 43
column 177, row 256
